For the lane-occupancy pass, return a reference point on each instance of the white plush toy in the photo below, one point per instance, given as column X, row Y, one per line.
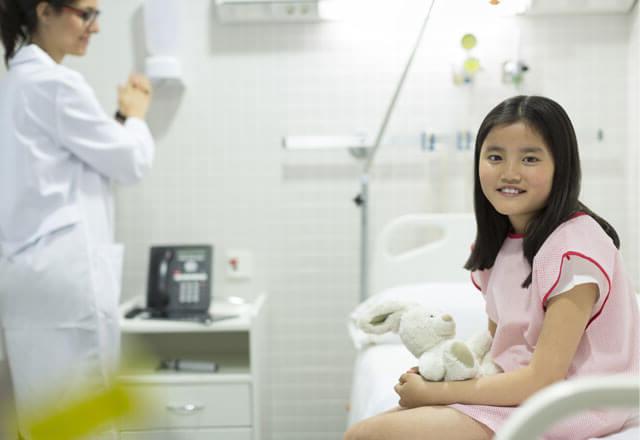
column 429, row 336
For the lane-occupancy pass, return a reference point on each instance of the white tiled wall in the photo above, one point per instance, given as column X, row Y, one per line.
column 222, row 177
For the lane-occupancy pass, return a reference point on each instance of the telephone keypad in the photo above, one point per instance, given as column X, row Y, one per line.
column 189, row 292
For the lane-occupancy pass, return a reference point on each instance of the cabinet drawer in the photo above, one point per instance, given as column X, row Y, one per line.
column 191, row 406
column 190, row 434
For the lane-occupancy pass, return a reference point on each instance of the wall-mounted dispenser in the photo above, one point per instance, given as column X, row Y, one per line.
column 281, row 11
column 162, row 32
column 576, row 7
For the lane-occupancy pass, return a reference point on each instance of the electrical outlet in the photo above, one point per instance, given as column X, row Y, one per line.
column 239, row 264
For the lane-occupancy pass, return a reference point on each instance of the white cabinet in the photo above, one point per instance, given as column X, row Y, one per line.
column 181, row 405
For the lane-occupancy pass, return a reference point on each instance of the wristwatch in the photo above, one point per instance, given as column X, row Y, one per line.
column 120, row 117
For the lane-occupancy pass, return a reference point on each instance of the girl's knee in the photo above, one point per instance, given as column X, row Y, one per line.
column 351, row 434
column 356, row 432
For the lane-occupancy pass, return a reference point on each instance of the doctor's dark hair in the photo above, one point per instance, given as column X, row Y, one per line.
column 18, row 21
column 547, row 118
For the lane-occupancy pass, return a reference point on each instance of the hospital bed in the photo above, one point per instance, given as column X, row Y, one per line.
column 431, row 273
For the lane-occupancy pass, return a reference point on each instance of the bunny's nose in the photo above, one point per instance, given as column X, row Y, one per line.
column 447, row 318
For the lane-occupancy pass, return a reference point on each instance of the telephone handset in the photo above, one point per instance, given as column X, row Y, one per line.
column 179, row 281
column 163, row 277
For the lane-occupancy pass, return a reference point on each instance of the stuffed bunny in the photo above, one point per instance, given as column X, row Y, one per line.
column 429, row 336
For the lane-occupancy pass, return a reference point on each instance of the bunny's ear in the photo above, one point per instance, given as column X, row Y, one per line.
column 382, row 318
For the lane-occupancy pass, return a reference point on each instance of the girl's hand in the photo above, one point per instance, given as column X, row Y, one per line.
column 413, row 390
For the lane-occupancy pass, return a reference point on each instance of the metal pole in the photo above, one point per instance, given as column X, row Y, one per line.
column 364, row 236
column 394, row 99
column 362, row 200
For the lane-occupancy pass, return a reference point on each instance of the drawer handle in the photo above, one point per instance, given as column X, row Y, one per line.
column 187, row 408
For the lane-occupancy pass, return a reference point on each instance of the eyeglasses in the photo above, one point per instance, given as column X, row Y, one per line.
column 87, row 15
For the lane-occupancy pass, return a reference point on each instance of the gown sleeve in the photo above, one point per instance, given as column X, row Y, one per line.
column 578, row 252
column 480, row 279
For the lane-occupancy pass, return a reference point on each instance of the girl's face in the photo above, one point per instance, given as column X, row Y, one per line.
column 68, row 32
column 516, row 172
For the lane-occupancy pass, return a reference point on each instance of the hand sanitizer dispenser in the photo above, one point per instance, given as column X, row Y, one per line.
column 162, row 32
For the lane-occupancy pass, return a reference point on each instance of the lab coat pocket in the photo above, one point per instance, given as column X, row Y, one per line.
column 48, row 285
column 107, row 268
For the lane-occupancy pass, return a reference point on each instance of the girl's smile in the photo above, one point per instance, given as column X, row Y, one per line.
column 511, row 191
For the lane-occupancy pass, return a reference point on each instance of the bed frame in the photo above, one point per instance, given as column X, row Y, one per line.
column 567, row 398
column 440, row 260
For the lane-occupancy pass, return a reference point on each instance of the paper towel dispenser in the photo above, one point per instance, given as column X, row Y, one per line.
column 243, row 11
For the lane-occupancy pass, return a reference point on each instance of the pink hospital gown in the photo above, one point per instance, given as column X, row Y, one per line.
column 611, row 342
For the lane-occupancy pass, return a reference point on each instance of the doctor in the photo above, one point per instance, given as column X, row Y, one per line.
column 60, row 152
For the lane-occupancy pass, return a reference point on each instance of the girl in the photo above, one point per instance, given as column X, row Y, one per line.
column 59, row 265
column 559, row 302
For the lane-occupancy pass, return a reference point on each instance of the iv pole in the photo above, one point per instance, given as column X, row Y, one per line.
column 362, row 199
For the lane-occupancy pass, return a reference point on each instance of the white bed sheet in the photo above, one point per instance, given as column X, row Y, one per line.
column 376, row 370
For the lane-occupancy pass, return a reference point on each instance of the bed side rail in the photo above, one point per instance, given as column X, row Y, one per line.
column 564, row 399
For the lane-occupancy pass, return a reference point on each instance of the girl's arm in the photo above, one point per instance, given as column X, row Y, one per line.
column 564, row 324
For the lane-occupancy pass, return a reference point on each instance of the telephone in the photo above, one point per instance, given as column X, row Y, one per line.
column 179, row 282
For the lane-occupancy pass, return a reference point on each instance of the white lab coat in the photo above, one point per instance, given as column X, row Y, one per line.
column 60, row 269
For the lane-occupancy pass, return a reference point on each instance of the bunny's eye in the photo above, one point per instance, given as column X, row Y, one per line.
column 431, row 316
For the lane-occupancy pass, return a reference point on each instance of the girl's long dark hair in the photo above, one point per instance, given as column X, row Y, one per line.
column 552, row 123
column 18, row 21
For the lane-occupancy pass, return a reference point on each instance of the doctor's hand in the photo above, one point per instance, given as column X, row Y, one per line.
column 140, row 82
column 413, row 390
column 135, row 96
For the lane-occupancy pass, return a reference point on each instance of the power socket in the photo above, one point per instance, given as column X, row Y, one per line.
column 239, row 264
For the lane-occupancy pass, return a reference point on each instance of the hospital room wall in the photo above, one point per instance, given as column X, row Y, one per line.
column 221, row 176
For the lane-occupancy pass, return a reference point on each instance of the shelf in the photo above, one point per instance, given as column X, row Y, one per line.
column 153, row 377
column 241, row 322
column 148, row 362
